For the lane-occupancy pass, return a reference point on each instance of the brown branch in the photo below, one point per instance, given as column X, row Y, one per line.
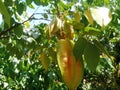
column 14, row 26
column 18, row 24
column 9, row 29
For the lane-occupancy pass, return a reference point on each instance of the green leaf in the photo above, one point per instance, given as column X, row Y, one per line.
column 45, row 15
column 37, row 2
column 91, row 31
column 89, row 16
column 91, row 56
column 78, row 25
column 4, row 11
column 18, row 31
column 79, row 47
column 21, row 7
column 28, row 2
column 45, row 60
column 9, row 49
column 20, row 66
column 77, row 16
column 8, row 2
column 41, row 2
column 107, row 1
column 101, row 47
column 31, row 6
column 19, row 54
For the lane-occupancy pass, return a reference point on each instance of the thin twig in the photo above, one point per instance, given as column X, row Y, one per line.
column 40, row 19
column 41, row 13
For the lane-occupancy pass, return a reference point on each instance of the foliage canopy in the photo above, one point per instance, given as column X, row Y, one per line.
column 28, row 54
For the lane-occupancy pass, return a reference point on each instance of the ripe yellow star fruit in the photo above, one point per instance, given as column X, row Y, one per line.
column 71, row 69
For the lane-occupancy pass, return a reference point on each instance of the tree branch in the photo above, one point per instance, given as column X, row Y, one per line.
column 18, row 24
column 12, row 27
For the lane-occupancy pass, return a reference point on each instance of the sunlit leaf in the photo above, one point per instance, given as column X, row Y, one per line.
column 88, row 16
column 31, row 6
column 78, row 25
column 91, row 31
column 45, row 60
column 68, row 29
column 4, row 11
column 107, row 1
column 77, row 16
column 101, row 15
column 55, row 25
column 27, row 24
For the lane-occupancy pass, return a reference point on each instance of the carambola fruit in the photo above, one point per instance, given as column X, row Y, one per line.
column 71, row 69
